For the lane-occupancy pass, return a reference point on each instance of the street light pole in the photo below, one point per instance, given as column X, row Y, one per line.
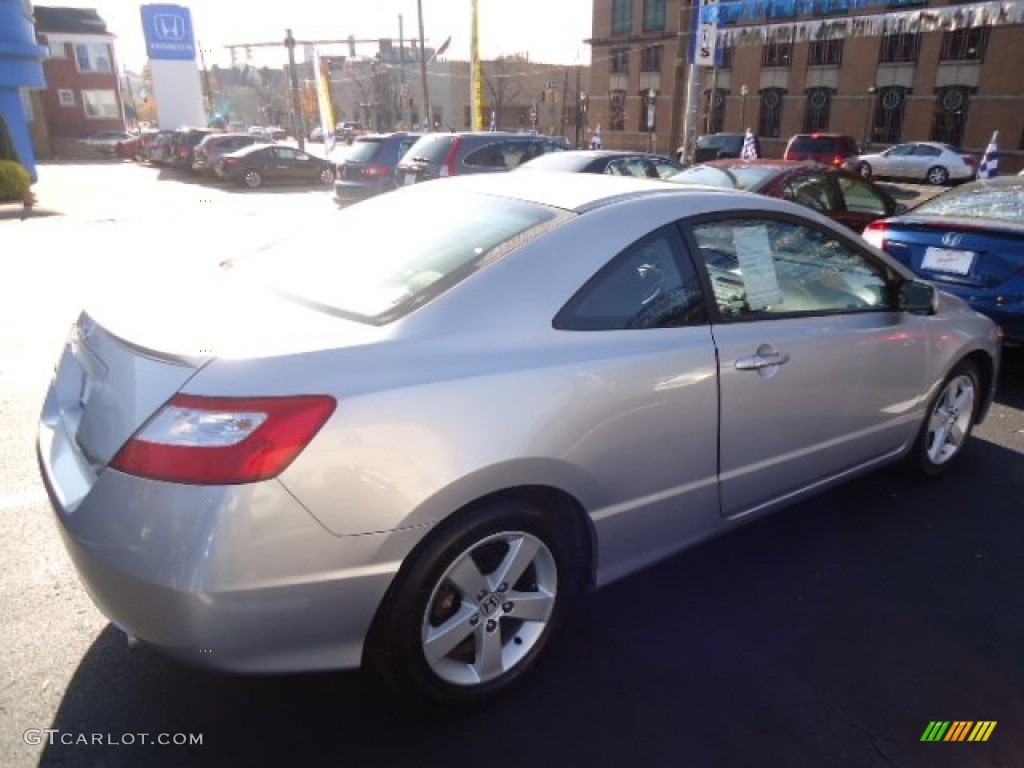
column 867, row 115
column 652, row 99
column 298, row 124
column 743, row 107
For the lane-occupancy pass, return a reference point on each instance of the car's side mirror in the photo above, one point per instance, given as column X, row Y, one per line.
column 918, row 298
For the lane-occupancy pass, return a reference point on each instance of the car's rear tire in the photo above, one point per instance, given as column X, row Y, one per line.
column 948, row 422
column 476, row 605
column 864, row 169
column 326, row 176
column 252, row 179
column 937, row 175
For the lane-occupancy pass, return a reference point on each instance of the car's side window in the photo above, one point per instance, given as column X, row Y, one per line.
column 923, row 150
column 860, row 197
column 765, row 267
column 813, row 190
column 652, row 284
column 488, row 157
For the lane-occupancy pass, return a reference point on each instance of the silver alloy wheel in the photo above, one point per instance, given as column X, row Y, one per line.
column 937, row 175
column 950, row 419
column 326, row 176
column 253, row 179
column 864, row 169
column 489, row 608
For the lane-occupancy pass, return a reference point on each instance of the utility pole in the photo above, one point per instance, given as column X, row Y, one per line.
column 423, row 69
column 300, row 124
column 683, row 40
column 565, row 103
column 401, row 71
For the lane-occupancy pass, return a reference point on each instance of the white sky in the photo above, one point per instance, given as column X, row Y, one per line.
column 550, row 31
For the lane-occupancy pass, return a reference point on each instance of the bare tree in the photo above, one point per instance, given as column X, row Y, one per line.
column 503, row 84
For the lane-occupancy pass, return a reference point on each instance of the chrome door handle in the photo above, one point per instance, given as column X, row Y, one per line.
column 761, row 360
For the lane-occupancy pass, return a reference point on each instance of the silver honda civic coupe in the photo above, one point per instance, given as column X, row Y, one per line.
column 407, row 437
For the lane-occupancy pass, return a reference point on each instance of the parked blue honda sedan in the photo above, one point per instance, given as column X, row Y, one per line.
column 968, row 241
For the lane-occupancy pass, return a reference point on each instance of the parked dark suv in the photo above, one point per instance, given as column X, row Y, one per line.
column 437, row 155
column 369, row 166
column 826, row 148
column 718, row 146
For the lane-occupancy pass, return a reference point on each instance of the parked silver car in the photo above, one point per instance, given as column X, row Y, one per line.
column 414, row 451
column 929, row 161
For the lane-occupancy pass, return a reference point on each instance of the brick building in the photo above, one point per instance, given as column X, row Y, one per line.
column 880, row 71
column 83, row 93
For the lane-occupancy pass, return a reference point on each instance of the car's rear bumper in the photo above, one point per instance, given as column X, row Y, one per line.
column 238, row 578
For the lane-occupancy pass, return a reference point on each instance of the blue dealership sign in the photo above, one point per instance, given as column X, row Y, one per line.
column 168, row 31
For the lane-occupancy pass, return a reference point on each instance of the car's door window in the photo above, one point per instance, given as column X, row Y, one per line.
column 490, row 156
column 861, row 197
column 652, row 284
column 899, row 150
column 813, row 190
column 284, row 154
column 765, row 267
column 627, row 166
column 923, row 150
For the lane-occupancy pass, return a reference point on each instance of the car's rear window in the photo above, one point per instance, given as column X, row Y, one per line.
column 719, row 141
column 733, row 177
column 1003, row 202
column 364, row 150
column 431, row 148
column 812, row 144
column 382, row 258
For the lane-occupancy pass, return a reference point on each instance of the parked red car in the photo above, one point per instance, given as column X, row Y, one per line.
column 834, row 192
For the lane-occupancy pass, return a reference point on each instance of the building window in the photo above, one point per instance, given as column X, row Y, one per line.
column 831, row 7
column 617, row 110
column 887, row 126
column 897, row 49
column 724, row 54
column 650, row 59
column 620, row 61
column 66, row 97
column 825, row 53
column 93, row 57
column 951, row 105
column 769, row 122
column 26, row 104
column 777, row 54
column 654, row 15
column 819, row 104
column 714, row 108
column 101, row 105
column 58, row 50
column 964, row 44
column 622, row 17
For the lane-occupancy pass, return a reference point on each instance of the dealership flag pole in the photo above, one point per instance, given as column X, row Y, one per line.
column 989, row 167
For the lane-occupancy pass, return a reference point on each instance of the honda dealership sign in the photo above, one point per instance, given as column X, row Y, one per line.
column 171, row 46
column 168, row 31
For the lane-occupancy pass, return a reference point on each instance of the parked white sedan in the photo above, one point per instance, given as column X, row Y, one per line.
column 929, row 161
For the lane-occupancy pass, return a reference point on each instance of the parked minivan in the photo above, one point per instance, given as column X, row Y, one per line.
column 437, row 155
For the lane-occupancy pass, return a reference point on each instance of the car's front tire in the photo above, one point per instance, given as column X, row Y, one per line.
column 947, row 426
column 326, row 176
column 477, row 604
column 252, row 179
column 864, row 169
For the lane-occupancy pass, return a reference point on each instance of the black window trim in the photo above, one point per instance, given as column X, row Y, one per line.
column 893, row 278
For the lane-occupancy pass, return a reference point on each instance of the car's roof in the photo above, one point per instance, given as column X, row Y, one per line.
column 771, row 163
column 575, row 191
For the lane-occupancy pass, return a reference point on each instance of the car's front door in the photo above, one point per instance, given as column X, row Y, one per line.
column 819, row 375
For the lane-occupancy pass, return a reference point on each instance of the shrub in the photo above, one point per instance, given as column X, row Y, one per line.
column 15, row 184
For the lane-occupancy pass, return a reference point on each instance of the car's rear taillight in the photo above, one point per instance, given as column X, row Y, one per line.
column 230, row 161
column 874, row 233
column 838, row 161
column 375, row 171
column 223, row 440
column 448, row 167
column 969, row 160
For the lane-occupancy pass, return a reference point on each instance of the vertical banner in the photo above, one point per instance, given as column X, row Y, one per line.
column 323, row 99
column 476, row 101
column 706, row 34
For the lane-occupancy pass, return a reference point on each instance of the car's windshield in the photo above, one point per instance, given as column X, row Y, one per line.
column 1003, row 202
column 358, row 263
